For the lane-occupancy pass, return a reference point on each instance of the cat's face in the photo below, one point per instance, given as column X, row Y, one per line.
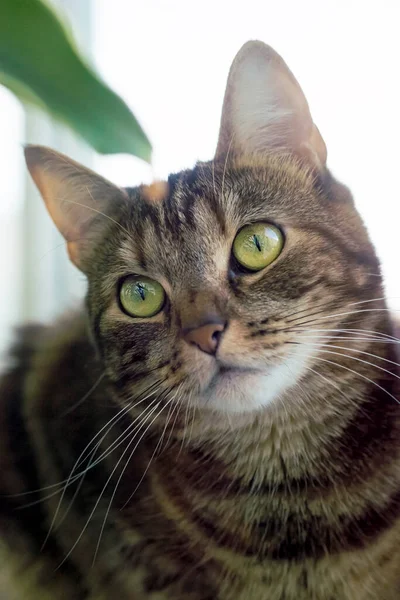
column 184, row 241
column 210, row 330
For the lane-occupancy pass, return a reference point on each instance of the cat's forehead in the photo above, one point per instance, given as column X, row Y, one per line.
column 186, row 225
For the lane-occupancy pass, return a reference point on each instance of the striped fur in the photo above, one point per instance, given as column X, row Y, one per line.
column 123, row 475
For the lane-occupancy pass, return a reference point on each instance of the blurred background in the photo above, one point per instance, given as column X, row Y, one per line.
column 169, row 59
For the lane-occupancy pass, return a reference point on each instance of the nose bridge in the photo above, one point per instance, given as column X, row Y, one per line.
column 203, row 319
column 201, row 307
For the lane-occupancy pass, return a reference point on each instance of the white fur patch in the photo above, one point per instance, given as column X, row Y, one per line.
column 241, row 391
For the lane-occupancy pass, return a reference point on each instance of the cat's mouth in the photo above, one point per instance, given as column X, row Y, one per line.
column 224, row 370
column 239, row 389
column 231, row 388
column 226, row 375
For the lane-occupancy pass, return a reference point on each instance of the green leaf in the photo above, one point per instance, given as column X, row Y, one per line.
column 21, row 91
column 39, row 64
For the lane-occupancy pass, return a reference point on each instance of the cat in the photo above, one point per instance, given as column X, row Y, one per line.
column 221, row 419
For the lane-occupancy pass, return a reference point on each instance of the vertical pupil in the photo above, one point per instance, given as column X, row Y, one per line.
column 141, row 290
column 257, row 242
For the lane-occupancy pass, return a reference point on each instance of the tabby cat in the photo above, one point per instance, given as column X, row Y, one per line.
column 221, row 420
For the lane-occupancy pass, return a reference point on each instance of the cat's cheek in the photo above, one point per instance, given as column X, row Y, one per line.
column 248, row 348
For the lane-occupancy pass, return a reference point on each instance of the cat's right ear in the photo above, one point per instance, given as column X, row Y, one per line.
column 265, row 109
column 76, row 198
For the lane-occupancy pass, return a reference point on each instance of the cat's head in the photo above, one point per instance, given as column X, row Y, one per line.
column 219, row 285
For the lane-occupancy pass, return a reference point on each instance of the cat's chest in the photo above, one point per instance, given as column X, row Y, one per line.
column 184, row 554
column 151, row 574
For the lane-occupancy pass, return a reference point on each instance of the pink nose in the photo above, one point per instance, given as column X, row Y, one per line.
column 206, row 337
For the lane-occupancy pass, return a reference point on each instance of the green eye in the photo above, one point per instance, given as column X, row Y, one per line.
column 257, row 246
column 141, row 296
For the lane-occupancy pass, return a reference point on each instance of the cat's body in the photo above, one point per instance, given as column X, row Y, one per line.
column 266, row 462
column 286, row 538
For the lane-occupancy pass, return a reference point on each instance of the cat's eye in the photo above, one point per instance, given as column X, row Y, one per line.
column 256, row 246
column 141, row 296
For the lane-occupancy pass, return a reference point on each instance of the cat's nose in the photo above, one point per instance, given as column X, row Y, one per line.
column 206, row 337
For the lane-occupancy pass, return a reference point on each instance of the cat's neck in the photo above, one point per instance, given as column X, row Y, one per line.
column 309, row 445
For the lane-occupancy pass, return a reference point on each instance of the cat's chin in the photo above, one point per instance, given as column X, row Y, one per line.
column 239, row 390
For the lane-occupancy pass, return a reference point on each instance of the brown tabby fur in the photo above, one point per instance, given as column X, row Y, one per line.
column 298, row 500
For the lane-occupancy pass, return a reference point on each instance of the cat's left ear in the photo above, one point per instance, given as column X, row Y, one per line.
column 78, row 200
column 265, row 109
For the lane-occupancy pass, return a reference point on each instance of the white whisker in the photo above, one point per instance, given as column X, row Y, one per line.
column 105, row 487
column 85, row 397
column 357, row 373
column 375, row 335
column 71, row 479
column 377, row 340
column 99, row 212
column 365, row 362
column 124, row 435
column 319, row 345
column 123, row 471
column 154, row 453
column 108, row 426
